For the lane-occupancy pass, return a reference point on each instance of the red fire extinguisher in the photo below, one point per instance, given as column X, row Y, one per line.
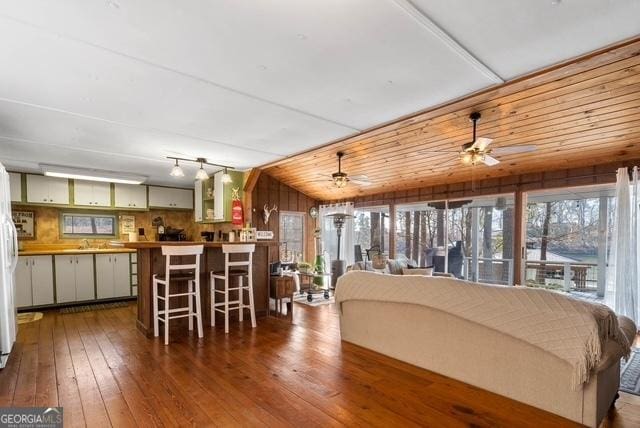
column 237, row 213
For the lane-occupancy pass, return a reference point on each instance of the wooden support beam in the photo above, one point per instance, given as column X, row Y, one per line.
column 519, row 238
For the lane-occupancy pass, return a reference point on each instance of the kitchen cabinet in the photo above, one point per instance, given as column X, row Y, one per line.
column 214, row 198
column 130, row 196
column 15, row 186
column 198, row 206
column 34, row 281
column 74, row 278
column 47, row 190
column 91, row 193
column 113, row 275
column 169, row 197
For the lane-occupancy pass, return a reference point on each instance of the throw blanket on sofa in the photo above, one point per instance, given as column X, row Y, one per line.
column 573, row 330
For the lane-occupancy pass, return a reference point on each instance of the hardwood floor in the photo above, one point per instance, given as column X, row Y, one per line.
column 105, row 373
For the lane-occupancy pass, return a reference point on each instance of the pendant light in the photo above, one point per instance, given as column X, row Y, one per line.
column 226, row 178
column 202, row 174
column 176, row 171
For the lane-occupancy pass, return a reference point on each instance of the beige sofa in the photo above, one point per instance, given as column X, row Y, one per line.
column 486, row 358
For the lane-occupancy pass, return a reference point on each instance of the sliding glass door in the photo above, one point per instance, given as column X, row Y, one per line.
column 371, row 231
column 420, row 234
column 480, row 239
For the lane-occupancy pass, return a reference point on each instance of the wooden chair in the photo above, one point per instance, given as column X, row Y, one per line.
column 185, row 272
column 234, row 269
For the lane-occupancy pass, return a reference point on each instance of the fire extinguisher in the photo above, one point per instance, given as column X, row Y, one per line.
column 237, row 212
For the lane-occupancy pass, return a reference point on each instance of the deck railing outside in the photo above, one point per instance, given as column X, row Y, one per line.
column 565, row 275
column 490, row 270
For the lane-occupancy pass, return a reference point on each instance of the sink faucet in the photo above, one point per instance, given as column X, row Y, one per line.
column 84, row 244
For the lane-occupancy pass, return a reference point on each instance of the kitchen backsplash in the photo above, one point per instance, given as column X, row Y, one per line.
column 47, row 224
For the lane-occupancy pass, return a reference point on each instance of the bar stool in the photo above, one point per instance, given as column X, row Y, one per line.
column 185, row 272
column 239, row 270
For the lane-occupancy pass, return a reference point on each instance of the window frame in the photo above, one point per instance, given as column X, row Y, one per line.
column 92, row 215
column 303, row 216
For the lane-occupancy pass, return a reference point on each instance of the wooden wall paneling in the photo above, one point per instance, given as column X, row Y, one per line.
column 577, row 113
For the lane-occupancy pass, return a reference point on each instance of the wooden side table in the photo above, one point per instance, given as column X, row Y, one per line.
column 281, row 287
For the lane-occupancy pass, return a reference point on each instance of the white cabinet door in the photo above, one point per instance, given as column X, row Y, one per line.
column 218, row 196
column 23, row 283
column 84, row 277
column 37, row 189
column 160, row 197
column 104, row 276
column 102, row 194
column 130, row 196
column 15, row 183
column 121, row 275
column 197, row 212
column 47, row 190
column 65, row 278
column 83, row 193
column 42, row 280
column 183, row 198
column 58, row 190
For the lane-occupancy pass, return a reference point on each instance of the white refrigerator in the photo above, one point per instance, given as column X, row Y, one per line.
column 8, row 262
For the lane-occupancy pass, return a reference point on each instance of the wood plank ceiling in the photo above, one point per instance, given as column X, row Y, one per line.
column 579, row 113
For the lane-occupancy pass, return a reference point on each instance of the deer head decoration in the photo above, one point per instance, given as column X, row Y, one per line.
column 267, row 212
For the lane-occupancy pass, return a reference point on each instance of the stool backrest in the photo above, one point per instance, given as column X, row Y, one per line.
column 238, row 249
column 182, row 250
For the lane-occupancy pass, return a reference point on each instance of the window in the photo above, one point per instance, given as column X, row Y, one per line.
column 371, row 229
column 89, row 225
column 291, row 235
column 568, row 237
column 420, row 233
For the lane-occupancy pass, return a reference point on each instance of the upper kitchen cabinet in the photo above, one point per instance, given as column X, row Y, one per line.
column 215, row 197
column 91, row 193
column 168, row 197
column 47, row 190
column 15, row 183
column 132, row 196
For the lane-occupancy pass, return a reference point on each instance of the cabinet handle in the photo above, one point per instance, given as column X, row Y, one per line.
column 45, row 199
column 76, row 260
column 109, row 259
column 71, row 260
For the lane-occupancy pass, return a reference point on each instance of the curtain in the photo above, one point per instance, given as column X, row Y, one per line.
column 623, row 288
column 329, row 234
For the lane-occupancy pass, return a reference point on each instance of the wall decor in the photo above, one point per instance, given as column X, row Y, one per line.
column 127, row 224
column 267, row 212
column 25, row 224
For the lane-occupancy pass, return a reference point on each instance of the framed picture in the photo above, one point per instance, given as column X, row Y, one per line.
column 25, row 224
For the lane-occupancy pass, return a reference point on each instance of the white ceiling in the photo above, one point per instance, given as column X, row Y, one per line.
column 120, row 85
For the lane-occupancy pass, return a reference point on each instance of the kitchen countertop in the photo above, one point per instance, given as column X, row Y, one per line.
column 207, row 244
column 71, row 251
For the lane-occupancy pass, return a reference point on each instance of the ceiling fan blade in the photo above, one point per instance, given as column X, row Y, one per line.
column 511, row 150
column 481, row 143
column 490, row 161
column 360, row 181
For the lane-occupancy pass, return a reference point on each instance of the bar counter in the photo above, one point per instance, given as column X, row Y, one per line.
column 151, row 261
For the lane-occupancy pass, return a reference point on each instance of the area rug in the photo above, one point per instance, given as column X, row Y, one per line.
column 96, row 307
column 318, row 299
column 630, row 373
column 27, row 317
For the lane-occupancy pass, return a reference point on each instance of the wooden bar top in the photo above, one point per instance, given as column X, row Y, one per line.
column 207, row 244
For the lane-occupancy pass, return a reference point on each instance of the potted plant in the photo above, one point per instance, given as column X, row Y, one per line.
column 305, row 267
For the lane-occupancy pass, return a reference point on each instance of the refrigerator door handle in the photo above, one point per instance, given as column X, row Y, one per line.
column 14, row 262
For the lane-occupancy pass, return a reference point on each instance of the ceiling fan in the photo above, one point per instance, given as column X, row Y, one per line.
column 478, row 151
column 341, row 179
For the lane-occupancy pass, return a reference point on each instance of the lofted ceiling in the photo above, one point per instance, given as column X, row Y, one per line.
column 120, row 85
column 585, row 112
